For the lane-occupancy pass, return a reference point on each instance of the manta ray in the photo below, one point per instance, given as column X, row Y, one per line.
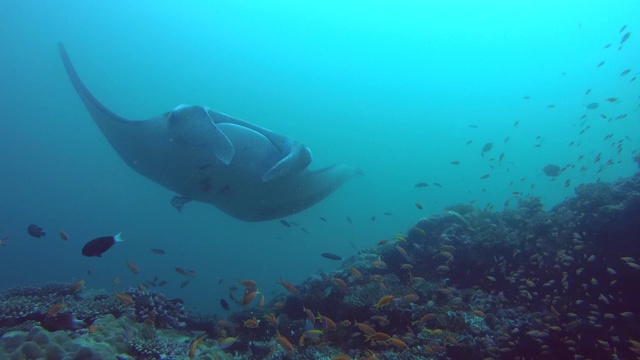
column 246, row 171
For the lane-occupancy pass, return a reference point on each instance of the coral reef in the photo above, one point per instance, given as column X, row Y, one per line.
column 155, row 308
column 467, row 283
column 40, row 343
column 78, row 309
column 107, row 338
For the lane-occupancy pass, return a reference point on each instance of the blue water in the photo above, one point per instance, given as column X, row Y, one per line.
column 392, row 89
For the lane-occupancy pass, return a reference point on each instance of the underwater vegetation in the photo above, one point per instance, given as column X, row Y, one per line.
column 466, row 283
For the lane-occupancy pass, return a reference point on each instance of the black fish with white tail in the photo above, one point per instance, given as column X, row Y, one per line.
column 99, row 246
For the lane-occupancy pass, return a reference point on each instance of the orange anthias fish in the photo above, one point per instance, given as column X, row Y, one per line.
column 285, row 343
column 248, row 297
column 55, row 309
column 124, row 298
column 344, row 323
column 341, row 283
column 288, row 286
column 63, row 235
column 356, row 273
column 271, row 318
column 134, row 269
column 77, row 285
column 248, row 283
column 341, row 357
column 410, row 298
column 402, row 251
column 327, row 323
column 378, row 263
column 116, row 281
column 384, row 301
column 368, row 330
column 309, row 314
column 369, row 355
column 194, row 346
column 428, row 317
column 251, row 323
column 398, row 343
column 378, row 336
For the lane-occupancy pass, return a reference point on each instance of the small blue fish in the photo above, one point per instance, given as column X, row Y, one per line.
column 625, row 37
column 331, row 256
column 285, row 223
column 487, row 147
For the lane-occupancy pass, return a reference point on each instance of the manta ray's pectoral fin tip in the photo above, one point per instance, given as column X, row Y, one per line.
column 297, row 160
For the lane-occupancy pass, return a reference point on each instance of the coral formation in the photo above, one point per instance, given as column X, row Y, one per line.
column 466, row 283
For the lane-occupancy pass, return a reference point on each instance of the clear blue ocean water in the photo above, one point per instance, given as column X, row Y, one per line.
column 395, row 88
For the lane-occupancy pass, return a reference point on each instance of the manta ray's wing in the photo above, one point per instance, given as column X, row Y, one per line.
column 125, row 135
